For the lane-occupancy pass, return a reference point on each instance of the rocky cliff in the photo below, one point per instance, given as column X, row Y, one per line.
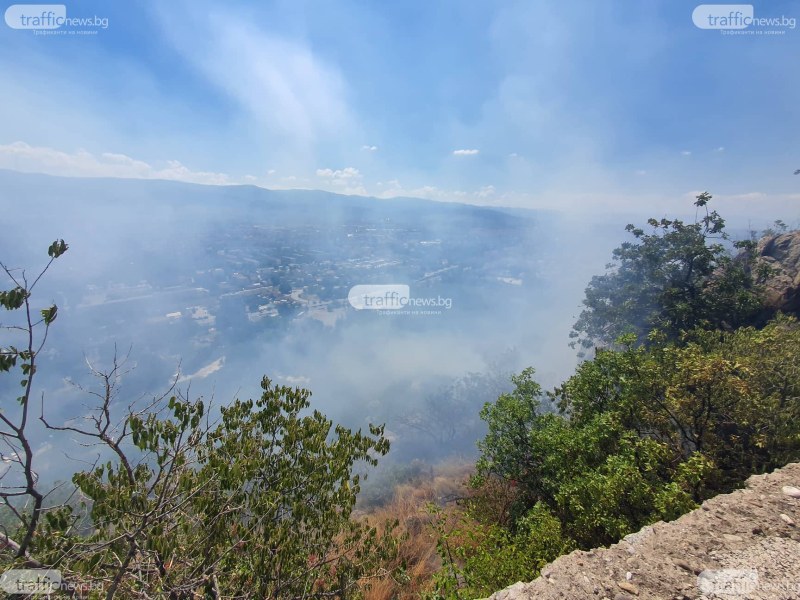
column 744, row 546
column 782, row 254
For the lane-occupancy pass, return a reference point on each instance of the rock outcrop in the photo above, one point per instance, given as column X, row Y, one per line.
column 782, row 254
column 744, row 545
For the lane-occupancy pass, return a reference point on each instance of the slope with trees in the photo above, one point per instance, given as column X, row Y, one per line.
column 686, row 396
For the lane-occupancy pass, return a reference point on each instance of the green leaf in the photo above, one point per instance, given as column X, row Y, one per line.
column 13, row 299
column 57, row 248
column 7, row 361
column 49, row 314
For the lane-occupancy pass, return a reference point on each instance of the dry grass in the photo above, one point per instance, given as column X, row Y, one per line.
column 441, row 485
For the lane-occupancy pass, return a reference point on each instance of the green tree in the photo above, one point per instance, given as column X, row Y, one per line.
column 678, row 277
column 731, row 396
column 254, row 499
column 645, row 432
column 257, row 504
column 601, row 479
column 479, row 558
column 25, row 336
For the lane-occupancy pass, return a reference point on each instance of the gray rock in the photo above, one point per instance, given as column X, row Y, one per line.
column 782, row 254
column 791, row 491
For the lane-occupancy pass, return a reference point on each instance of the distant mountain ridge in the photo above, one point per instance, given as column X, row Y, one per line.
column 18, row 181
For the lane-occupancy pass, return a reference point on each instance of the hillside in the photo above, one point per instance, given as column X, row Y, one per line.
column 753, row 531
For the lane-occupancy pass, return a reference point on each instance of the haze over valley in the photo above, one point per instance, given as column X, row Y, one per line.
column 230, row 283
column 388, row 300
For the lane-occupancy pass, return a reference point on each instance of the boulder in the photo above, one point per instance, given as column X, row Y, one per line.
column 781, row 253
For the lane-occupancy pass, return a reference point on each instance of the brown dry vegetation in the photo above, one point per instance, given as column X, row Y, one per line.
column 442, row 485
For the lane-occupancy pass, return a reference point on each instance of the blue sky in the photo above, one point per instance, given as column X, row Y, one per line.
column 580, row 106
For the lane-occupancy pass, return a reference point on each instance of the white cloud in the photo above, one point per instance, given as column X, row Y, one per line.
column 283, row 83
column 720, row 149
column 340, row 174
column 20, row 156
column 370, row 148
column 466, row 152
column 251, row 178
column 486, row 191
column 296, row 380
column 753, row 208
column 345, row 181
column 394, row 189
column 42, row 450
column 686, row 152
column 744, row 197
